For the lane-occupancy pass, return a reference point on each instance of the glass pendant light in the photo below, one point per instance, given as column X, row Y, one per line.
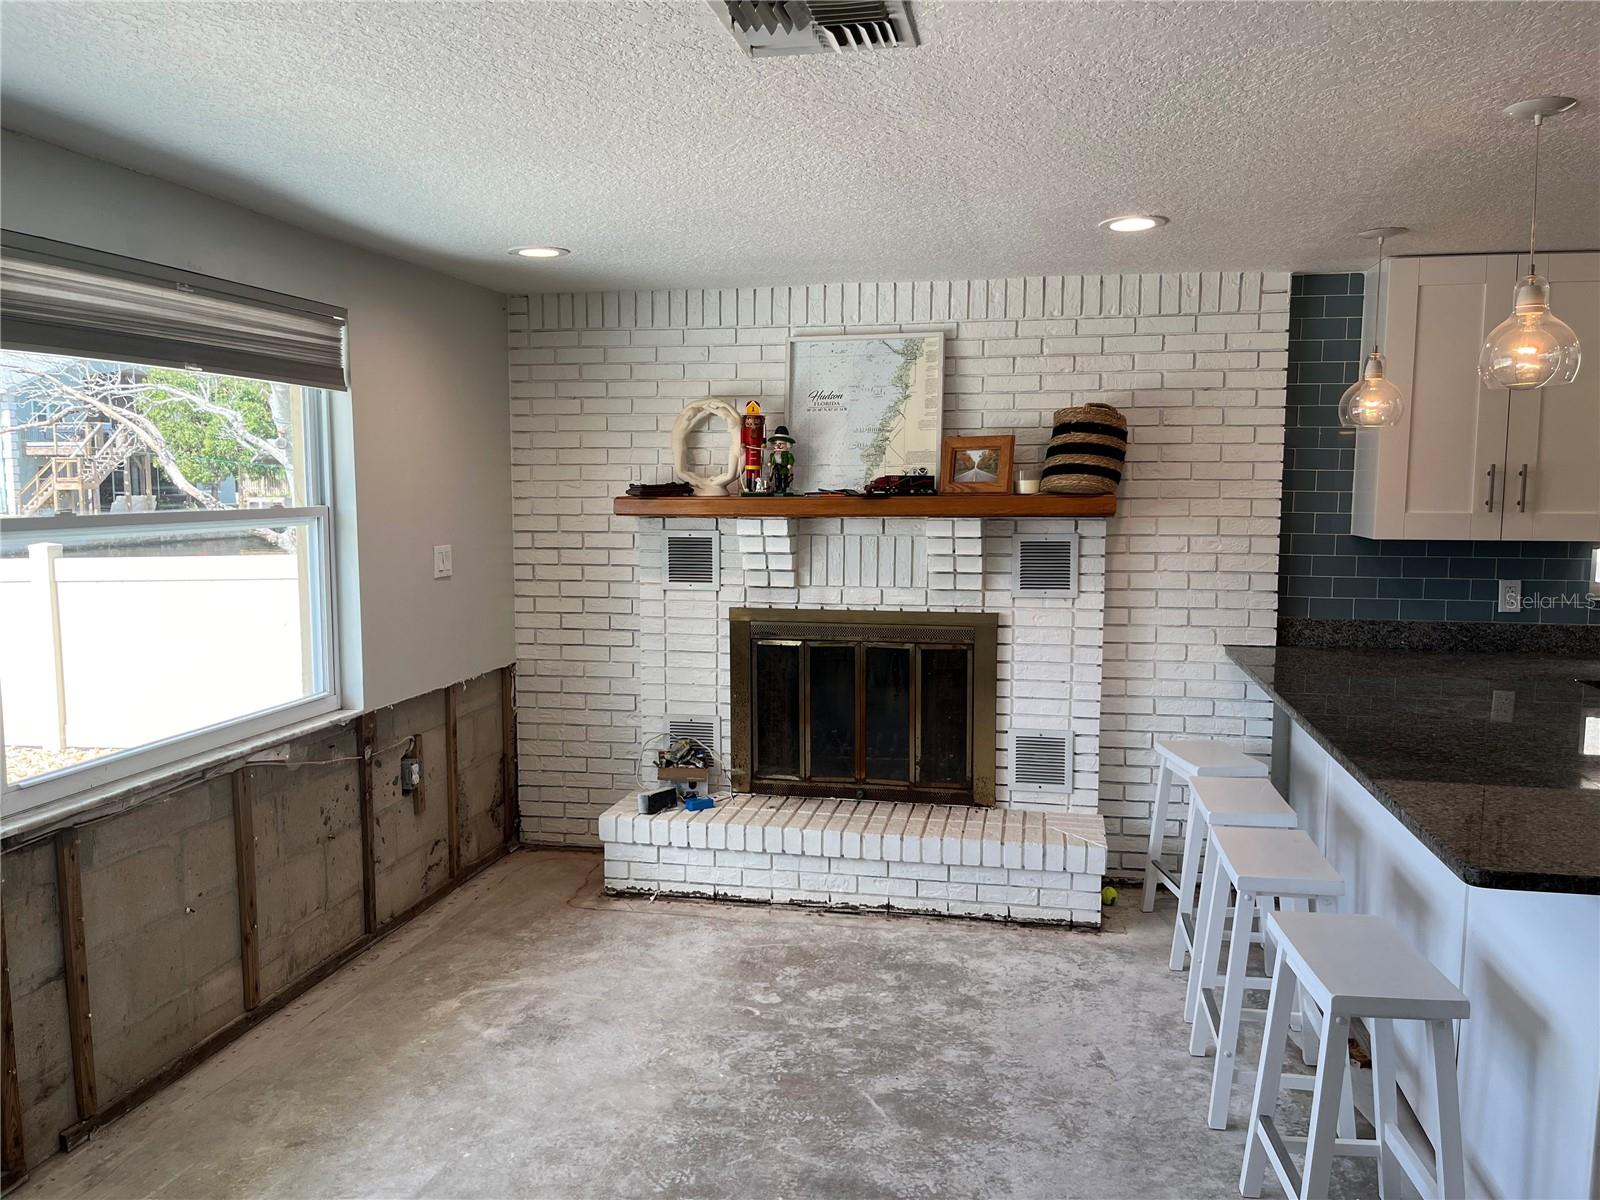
column 1532, row 348
column 1372, row 402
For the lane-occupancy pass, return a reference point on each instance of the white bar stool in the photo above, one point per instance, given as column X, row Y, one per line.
column 1217, row 802
column 1184, row 760
column 1355, row 966
column 1261, row 866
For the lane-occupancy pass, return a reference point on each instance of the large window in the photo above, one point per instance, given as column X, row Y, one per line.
column 166, row 582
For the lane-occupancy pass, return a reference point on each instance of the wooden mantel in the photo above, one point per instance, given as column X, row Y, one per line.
column 957, row 505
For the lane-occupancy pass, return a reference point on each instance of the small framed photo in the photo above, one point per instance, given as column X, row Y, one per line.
column 977, row 464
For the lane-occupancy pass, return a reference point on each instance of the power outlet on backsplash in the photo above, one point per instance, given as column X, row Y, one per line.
column 1503, row 705
column 1511, row 595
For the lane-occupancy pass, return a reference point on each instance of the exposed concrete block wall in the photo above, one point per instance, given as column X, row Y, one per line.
column 478, row 750
column 308, row 857
column 1195, row 360
column 160, row 893
column 411, row 851
column 38, row 994
column 161, row 905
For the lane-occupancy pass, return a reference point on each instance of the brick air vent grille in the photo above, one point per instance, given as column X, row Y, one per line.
column 691, row 560
column 1041, row 760
column 696, row 729
column 1048, row 564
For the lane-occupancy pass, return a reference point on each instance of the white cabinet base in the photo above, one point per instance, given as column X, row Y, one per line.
column 1529, row 1056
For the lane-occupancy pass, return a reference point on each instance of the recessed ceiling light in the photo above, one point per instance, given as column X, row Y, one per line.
column 540, row 251
column 1133, row 223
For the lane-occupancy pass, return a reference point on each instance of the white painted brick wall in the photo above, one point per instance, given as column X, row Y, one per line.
column 1196, row 361
column 1049, row 649
column 947, row 859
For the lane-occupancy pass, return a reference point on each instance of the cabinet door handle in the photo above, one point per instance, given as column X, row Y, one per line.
column 1522, row 499
column 1488, row 501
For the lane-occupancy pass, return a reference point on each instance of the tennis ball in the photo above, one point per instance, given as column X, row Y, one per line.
column 1108, row 894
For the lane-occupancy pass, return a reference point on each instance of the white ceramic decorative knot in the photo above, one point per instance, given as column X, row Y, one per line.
column 688, row 419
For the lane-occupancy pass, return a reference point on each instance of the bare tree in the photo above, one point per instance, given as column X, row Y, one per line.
column 83, row 389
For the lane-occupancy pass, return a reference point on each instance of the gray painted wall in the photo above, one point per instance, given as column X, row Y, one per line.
column 424, row 455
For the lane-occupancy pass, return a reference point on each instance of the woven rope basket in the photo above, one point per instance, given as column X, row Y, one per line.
column 1087, row 448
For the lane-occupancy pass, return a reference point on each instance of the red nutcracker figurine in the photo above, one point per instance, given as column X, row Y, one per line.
column 752, row 438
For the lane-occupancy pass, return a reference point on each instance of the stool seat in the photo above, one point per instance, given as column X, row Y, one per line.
column 1268, row 869
column 1183, row 760
column 1275, row 862
column 1216, row 801
column 1356, row 967
column 1193, row 758
column 1232, row 800
column 1356, row 964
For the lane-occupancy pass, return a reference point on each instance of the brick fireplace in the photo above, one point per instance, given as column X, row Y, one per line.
column 608, row 654
column 1000, row 842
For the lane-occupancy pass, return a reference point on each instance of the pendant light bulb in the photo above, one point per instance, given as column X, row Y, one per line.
column 1372, row 402
column 1532, row 348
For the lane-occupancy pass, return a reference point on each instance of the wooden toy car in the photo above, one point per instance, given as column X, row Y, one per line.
column 913, row 483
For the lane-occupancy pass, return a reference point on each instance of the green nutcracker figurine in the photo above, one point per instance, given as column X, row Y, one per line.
column 781, row 460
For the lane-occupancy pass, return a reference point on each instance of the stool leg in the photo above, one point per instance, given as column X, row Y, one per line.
column 1269, row 1076
column 1158, row 824
column 1300, row 1023
column 1207, row 932
column 1385, row 1105
column 1331, row 1059
column 1229, row 1013
column 1449, row 1173
column 1347, row 1100
column 1193, row 832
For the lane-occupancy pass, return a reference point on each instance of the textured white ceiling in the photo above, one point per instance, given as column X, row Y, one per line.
column 638, row 134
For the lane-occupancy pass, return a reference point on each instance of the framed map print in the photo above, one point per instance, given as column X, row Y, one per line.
column 865, row 405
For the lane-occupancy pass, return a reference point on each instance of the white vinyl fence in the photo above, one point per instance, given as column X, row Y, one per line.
column 114, row 652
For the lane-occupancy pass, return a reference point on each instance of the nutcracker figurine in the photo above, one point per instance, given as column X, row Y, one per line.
column 781, row 474
column 752, row 435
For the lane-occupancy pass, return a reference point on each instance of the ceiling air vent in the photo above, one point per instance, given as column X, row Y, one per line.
column 1041, row 760
column 768, row 27
column 1047, row 564
column 691, row 560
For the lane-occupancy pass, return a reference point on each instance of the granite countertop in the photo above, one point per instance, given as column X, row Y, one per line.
column 1507, row 795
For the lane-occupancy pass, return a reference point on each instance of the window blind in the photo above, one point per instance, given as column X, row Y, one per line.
column 57, row 299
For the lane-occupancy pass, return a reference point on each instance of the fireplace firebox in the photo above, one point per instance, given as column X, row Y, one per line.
column 864, row 705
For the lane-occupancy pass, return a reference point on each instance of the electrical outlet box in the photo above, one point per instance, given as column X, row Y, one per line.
column 1503, row 706
column 410, row 775
column 1510, row 595
column 443, row 567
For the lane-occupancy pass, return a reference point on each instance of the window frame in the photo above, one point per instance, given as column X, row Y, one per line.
column 70, row 789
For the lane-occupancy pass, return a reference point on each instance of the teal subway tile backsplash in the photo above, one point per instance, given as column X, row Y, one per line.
column 1326, row 572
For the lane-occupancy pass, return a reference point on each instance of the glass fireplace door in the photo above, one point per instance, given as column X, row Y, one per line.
column 867, row 716
column 871, row 705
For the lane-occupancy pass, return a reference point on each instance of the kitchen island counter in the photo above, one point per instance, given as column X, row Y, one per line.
column 1491, row 760
column 1458, row 796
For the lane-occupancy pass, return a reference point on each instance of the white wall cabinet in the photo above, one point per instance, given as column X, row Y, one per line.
column 1467, row 461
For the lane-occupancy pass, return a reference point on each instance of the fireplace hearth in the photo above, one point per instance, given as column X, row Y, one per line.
column 864, row 705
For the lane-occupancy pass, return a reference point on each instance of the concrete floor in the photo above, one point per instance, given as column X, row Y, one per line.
column 531, row 1037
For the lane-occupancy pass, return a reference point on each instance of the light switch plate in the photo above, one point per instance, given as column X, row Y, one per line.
column 1502, row 705
column 1510, row 595
column 443, row 568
